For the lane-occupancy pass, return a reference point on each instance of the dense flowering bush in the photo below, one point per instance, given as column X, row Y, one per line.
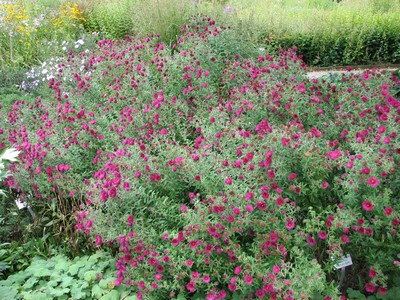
column 216, row 175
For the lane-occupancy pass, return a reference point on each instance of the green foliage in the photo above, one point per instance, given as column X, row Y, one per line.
column 10, row 78
column 86, row 277
column 28, row 30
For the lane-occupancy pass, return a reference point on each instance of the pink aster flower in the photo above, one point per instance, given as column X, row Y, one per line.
column 370, row 287
column 373, row 182
column 388, row 211
column 368, row 205
column 261, row 205
column 248, row 279
column 322, row 235
column 335, row 154
column 289, row 224
column 237, row 270
column 345, row 239
column 206, row 278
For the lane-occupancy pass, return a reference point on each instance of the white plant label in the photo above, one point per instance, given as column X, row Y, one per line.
column 344, row 262
column 20, row 204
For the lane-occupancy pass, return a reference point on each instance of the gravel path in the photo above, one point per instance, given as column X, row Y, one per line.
column 320, row 73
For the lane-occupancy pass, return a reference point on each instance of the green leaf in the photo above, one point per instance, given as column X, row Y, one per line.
column 90, row 276
column 4, row 266
column 180, row 297
column 131, row 298
column 66, row 281
column 58, row 292
column 235, row 296
column 73, row 269
column 113, row 295
column 52, row 283
column 34, row 295
column 41, row 272
column 77, row 292
column 30, row 283
column 8, row 293
column 97, row 292
column 61, row 265
column 107, row 283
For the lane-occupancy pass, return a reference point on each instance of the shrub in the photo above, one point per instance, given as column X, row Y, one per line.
column 213, row 173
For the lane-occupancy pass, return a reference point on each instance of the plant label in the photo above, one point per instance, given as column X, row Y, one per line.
column 344, row 262
column 20, row 204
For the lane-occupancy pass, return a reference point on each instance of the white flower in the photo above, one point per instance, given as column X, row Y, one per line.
column 10, row 154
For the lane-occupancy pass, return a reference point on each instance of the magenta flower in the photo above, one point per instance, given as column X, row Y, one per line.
column 345, row 239
column 260, row 293
column 368, row 205
column 289, row 224
column 373, row 182
column 99, row 240
column 158, row 276
column 191, row 286
column 372, row 273
column 130, row 220
column 193, row 244
column 237, row 270
column 370, row 287
column 276, row 269
column 322, row 235
column 248, row 279
column 388, row 211
column 249, row 208
column 206, row 278
column 325, row 185
column 334, row 154
column 261, row 205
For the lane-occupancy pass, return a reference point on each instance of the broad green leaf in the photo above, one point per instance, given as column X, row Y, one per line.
column 41, row 272
column 77, row 292
column 113, row 295
column 58, row 292
column 66, row 281
column 97, row 292
column 90, row 276
column 35, row 296
column 30, row 283
column 62, row 265
column 107, row 283
column 4, row 266
column 134, row 297
column 8, row 293
column 73, row 270
column 18, row 278
column 52, row 283
column 180, row 297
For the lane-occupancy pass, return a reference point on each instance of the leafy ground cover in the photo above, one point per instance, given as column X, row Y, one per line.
column 205, row 166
